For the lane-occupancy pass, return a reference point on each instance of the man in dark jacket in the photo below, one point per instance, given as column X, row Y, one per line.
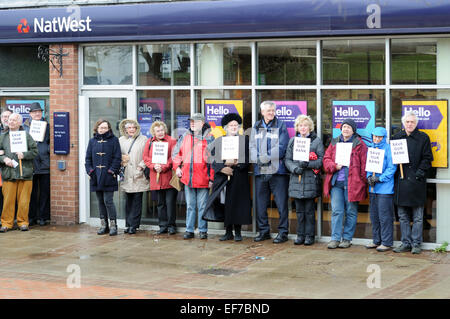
column 268, row 143
column 410, row 191
column 40, row 195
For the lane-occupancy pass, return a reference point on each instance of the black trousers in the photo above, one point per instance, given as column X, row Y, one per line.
column 133, row 209
column 166, row 205
column 306, row 220
column 40, row 198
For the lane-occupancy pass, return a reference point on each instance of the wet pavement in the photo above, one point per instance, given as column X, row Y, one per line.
column 72, row 262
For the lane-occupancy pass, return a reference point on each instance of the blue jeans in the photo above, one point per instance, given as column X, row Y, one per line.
column 411, row 236
column 195, row 198
column 277, row 184
column 342, row 209
column 382, row 217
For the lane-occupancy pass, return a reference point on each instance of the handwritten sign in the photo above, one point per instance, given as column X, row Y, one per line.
column 37, row 130
column 399, row 151
column 159, row 152
column 343, row 153
column 230, row 147
column 375, row 159
column 302, row 146
column 18, row 141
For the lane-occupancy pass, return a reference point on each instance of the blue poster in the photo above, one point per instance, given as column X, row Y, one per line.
column 362, row 112
column 23, row 107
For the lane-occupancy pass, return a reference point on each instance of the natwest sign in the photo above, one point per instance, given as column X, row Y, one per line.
column 62, row 24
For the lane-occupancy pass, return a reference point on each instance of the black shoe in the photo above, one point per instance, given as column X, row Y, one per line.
column 262, row 237
column 113, row 228
column 163, row 231
column 203, row 235
column 309, row 240
column 299, row 240
column 188, row 235
column 227, row 236
column 104, row 229
column 172, row 231
column 42, row 222
column 126, row 230
column 32, row 222
column 131, row 230
column 280, row 239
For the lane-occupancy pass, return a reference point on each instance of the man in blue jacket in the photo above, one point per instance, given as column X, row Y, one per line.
column 268, row 142
column 381, row 189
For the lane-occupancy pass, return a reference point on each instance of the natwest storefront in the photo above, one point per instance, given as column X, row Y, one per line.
column 169, row 60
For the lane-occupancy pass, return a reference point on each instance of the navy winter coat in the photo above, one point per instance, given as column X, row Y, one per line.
column 103, row 158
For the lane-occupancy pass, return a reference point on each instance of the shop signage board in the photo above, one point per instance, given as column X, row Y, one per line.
column 362, row 112
column 149, row 110
column 432, row 116
column 61, row 133
column 287, row 111
column 215, row 110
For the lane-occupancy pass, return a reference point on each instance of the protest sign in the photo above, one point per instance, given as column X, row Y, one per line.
column 159, row 152
column 37, row 130
column 230, row 147
column 343, row 153
column 375, row 160
column 302, row 146
column 18, row 141
column 399, row 151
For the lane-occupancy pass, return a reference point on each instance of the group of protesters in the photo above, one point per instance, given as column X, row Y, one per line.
column 218, row 188
column 25, row 175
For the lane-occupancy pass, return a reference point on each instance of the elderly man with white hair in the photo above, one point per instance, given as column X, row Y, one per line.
column 410, row 191
column 17, row 175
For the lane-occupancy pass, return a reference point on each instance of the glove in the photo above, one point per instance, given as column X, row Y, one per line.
column 420, row 175
column 372, row 180
column 298, row 170
column 304, row 164
column 227, row 171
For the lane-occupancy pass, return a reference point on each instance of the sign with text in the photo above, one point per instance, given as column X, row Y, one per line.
column 432, row 116
column 18, row 141
column 37, row 130
column 399, row 151
column 160, row 150
column 362, row 112
column 23, row 107
column 215, row 110
column 61, row 133
column 230, row 147
column 287, row 111
column 302, row 146
column 375, row 160
column 343, row 154
column 149, row 110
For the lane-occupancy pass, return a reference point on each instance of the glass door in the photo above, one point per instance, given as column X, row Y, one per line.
column 114, row 107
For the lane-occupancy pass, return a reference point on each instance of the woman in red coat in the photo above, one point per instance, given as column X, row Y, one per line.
column 346, row 185
column 160, row 176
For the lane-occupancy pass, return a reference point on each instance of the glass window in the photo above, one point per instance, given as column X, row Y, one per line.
column 414, row 60
column 353, row 62
column 223, row 64
column 286, row 63
column 20, row 67
column 21, row 105
column 164, row 64
column 108, row 65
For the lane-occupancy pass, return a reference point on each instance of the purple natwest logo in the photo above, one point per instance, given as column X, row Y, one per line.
column 429, row 115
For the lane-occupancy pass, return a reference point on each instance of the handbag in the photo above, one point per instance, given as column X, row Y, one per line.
column 175, row 181
column 122, row 168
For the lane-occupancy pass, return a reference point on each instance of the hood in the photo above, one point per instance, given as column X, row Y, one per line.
column 379, row 131
column 122, row 127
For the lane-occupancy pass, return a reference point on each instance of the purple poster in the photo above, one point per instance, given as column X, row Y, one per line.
column 149, row 110
column 23, row 107
column 287, row 111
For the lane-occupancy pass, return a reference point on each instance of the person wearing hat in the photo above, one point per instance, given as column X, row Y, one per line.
column 190, row 164
column 230, row 199
column 345, row 185
column 39, row 212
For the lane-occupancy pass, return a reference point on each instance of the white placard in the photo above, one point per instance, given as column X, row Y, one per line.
column 302, row 146
column 343, row 153
column 375, row 159
column 399, row 151
column 160, row 151
column 37, row 130
column 230, row 148
column 18, row 141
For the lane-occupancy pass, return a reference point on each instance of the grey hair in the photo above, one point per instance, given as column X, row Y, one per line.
column 127, row 125
column 7, row 110
column 18, row 116
column 266, row 104
column 226, row 126
column 408, row 114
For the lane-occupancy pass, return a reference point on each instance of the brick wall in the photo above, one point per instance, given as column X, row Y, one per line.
column 64, row 185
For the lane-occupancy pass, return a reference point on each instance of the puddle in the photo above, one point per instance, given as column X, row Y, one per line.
column 219, row 271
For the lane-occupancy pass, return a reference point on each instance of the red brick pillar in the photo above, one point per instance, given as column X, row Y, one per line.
column 64, row 206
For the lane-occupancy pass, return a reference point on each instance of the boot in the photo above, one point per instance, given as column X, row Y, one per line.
column 228, row 234
column 103, row 228
column 113, row 229
column 237, row 233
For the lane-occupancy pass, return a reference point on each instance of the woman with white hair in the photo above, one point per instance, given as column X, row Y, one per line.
column 304, row 183
column 410, row 191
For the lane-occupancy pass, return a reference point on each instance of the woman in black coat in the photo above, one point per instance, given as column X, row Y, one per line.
column 103, row 157
column 230, row 195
